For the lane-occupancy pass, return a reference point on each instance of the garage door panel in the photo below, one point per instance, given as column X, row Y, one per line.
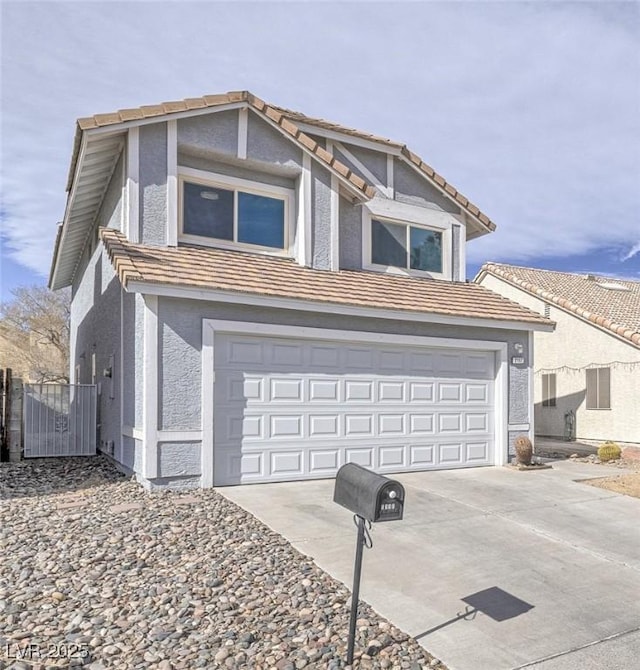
column 286, row 426
column 324, row 356
column 477, row 393
column 289, row 409
column 324, row 461
column 391, row 391
column 393, row 361
column 289, row 355
column 477, row 451
column 421, row 391
column 450, row 392
column 421, row 423
column 286, row 389
column 358, row 425
column 479, row 365
column 422, row 456
column 360, row 455
column 323, row 390
column 358, row 391
column 324, row 425
column 391, row 424
column 244, row 352
column 359, row 358
column 450, row 453
column 392, row 457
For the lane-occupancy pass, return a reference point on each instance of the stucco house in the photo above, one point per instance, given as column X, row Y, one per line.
column 587, row 372
column 263, row 296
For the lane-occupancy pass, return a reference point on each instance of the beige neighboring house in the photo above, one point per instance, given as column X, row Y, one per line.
column 590, row 364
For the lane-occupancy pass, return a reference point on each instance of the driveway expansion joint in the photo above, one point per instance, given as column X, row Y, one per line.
column 560, row 654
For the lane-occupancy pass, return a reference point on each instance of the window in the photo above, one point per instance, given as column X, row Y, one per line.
column 599, row 388
column 400, row 245
column 549, row 390
column 232, row 214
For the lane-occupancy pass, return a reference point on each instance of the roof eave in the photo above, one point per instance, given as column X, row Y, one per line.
column 220, row 295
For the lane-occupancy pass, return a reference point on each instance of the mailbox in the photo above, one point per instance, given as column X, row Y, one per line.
column 367, row 494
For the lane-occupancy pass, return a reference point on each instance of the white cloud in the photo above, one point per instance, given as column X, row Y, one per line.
column 530, row 109
column 634, row 251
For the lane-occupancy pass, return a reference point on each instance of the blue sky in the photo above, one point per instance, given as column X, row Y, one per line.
column 531, row 109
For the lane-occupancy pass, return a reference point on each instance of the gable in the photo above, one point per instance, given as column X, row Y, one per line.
column 413, row 189
column 246, row 128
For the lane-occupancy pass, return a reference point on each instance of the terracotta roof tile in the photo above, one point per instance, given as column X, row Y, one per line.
column 240, row 272
column 286, row 120
column 609, row 303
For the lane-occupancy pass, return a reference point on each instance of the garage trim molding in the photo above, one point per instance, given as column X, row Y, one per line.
column 211, row 327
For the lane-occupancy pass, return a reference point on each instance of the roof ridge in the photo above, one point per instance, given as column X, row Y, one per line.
column 560, row 272
column 624, row 331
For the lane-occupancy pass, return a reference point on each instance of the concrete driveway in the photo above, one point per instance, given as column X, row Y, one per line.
column 547, row 568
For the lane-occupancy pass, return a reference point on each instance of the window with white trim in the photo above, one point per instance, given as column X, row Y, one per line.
column 401, row 245
column 229, row 212
column 598, row 388
column 406, row 247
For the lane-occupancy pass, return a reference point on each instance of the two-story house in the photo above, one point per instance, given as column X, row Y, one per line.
column 263, row 296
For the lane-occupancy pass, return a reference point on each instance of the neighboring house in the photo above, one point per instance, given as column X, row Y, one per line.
column 263, row 296
column 590, row 364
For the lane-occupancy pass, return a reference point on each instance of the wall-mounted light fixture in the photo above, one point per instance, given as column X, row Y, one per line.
column 519, row 347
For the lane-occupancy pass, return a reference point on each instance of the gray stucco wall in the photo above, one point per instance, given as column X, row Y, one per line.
column 411, row 188
column 180, row 324
column 321, row 217
column 350, row 233
column 267, row 144
column 235, row 168
column 153, row 183
column 213, row 132
column 178, row 459
column 456, row 241
column 95, row 321
column 375, row 161
column 519, row 384
column 110, row 214
column 180, row 366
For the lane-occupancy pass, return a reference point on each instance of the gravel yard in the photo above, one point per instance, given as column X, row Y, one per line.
column 94, row 571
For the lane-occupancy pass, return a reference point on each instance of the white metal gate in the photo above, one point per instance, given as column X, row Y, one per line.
column 59, row 420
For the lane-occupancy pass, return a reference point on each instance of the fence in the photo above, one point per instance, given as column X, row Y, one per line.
column 59, row 420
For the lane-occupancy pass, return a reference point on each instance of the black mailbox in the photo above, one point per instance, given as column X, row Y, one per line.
column 367, row 494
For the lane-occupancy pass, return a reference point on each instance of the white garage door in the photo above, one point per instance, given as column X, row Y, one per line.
column 289, row 409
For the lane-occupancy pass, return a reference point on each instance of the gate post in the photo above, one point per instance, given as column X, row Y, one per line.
column 14, row 432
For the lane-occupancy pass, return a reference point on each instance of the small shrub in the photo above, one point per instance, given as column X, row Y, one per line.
column 609, row 451
column 524, row 450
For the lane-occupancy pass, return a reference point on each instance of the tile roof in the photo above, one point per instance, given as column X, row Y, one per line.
column 615, row 309
column 404, row 150
column 286, row 120
column 255, row 274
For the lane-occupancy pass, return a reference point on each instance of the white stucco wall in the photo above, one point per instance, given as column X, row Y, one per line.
column 580, row 345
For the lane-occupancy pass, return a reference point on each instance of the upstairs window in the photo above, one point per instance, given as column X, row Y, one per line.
column 230, row 214
column 407, row 247
column 599, row 388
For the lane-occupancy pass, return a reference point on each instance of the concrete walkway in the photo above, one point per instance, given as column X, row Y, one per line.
column 491, row 568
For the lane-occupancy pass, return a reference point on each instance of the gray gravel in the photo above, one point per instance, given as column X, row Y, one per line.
column 93, row 567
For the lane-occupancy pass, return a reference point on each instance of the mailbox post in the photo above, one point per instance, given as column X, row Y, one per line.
column 372, row 498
